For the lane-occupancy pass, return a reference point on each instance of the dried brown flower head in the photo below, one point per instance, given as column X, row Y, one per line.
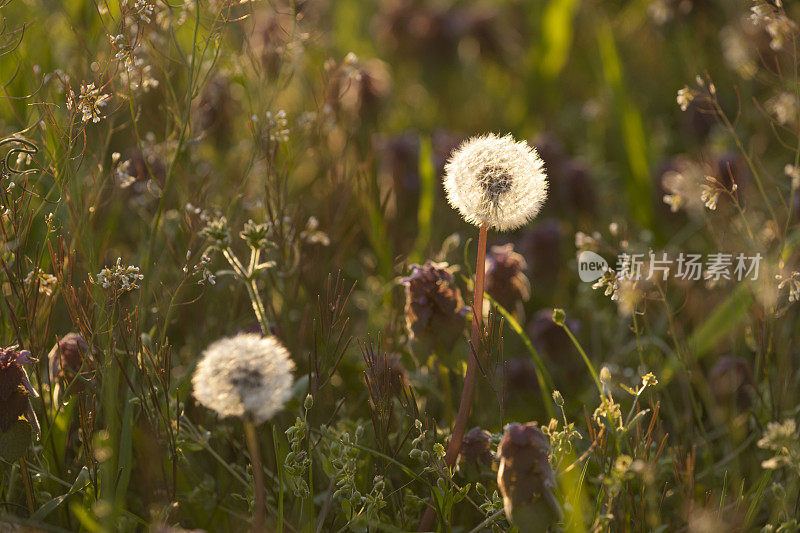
column 526, row 478
column 15, row 389
column 475, row 455
column 435, row 312
column 70, row 364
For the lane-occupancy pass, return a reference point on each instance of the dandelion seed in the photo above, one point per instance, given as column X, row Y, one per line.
column 496, row 181
column 244, row 376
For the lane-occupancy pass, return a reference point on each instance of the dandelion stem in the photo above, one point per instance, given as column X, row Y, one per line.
column 468, row 392
column 259, row 502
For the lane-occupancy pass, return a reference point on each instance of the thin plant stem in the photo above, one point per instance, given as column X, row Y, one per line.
column 26, row 482
column 585, row 359
column 259, row 500
column 468, row 392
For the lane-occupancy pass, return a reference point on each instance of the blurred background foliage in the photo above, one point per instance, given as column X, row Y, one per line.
column 331, row 122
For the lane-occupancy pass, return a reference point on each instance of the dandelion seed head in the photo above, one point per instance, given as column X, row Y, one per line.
column 245, row 375
column 496, row 181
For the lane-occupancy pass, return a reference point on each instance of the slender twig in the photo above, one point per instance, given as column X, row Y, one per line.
column 468, row 392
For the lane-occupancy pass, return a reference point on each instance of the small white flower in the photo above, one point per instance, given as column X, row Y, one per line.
column 89, row 102
column 119, row 278
column 246, row 375
column 496, row 181
column 685, row 97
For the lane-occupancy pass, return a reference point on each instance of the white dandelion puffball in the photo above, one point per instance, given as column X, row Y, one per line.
column 245, row 375
column 496, row 181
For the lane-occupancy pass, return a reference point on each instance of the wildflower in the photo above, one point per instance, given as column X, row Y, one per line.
column 496, row 181
column 277, row 126
column 783, row 107
column 526, row 479
column 46, row 282
column 505, row 277
column 793, row 282
column 119, row 278
column 649, row 380
column 782, row 439
column 89, row 102
column 256, row 235
column 245, row 376
column 773, row 19
column 313, row 235
column 685, row 97
column 16, row 389
column 710, row 194
column 434, row 309
column 217, row 231
column 70, row 365
column 143, row 10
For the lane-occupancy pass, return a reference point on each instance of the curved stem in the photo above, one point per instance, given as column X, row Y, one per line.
column 468, row 392
column 259, row 501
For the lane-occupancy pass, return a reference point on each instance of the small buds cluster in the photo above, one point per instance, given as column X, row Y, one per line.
column 89, row 102
column 434, row 309
column 256, row 235
column 119, row 278
column 792, row 281
column 143, row 10
column 782, row 440
column 201, row 268
column 218, row 232
column 297, row 462
column 46, row 282
column 277, row 126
